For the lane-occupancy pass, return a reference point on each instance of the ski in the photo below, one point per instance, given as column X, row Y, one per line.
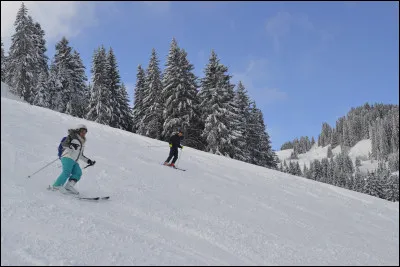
column 93, row 198
column 179, row 169
column 80, row 197
column 176, row 168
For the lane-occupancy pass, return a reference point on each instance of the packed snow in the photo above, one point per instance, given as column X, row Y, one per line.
column 219, row 212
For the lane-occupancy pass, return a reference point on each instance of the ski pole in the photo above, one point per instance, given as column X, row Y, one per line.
column 29, row 176
column 88, row 166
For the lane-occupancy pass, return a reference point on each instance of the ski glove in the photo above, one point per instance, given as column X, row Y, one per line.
column 170, row 145
column 90, row 162
column 74, row 145
column 181, row 147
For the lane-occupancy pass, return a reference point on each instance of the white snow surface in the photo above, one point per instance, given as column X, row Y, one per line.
column 219, row 212
column 361, row 150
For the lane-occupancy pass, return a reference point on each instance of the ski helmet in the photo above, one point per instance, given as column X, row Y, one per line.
column 81, row 126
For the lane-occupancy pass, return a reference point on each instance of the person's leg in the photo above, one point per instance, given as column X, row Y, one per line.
column 75, row 177
column 171, row 154
column 175, row 156
column 67, row 165
column 76, row 172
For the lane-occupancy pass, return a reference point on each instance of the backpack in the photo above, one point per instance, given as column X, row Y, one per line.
column 60, row 147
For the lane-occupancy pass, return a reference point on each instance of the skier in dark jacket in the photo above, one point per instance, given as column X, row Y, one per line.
column 174, row 144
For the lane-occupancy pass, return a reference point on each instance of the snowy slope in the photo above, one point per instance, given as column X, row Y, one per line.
column 219, row 212
column 316, row 152
column 360, row 150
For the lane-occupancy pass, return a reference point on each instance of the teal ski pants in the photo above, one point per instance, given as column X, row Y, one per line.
column 71, row 169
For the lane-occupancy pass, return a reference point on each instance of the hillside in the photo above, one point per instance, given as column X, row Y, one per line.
column 360, row 150
column 219, row 212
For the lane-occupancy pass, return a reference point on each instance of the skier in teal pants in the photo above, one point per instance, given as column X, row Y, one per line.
column 73, row 147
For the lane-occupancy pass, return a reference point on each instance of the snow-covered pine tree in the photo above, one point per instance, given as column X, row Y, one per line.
column 331, row 171
column 356, row 130
column 373, row 185
column 40, row 45
column 308, row 144
column 190, row 116
column 384, row 146
column 395, row 131
column 311, row 171
column 329, row 153
column 126, row 110
column 305, row 170
column 215, row 100
column 334, row 139
column 151, row 123
column 325, row 167
column 43, row 93
column 22, row 63
column 358, row 162
column 120, row 116
column 298, row 170
column 235, row 122
column 294, row 155
column 374, row 143
column 259, row 143
column 180, row 95
column 358, row 181
column 79, row 100
column 346, row 134
column 51, row 98
column 62, row 71
column 284, row 167
column 138, row 110
column 242, row 103
column 312, row 141
column 113, row 85
column 287, row 145
column 3, row 63
column 99, row 104
column 392, row 193
column 172, row 88
column 393, row 161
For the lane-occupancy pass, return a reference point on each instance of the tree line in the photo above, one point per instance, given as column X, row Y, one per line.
column 216, row 115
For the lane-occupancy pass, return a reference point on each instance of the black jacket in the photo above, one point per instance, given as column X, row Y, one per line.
column 175, row 140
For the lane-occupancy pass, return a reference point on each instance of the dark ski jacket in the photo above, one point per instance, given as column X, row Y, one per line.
column 175, row 140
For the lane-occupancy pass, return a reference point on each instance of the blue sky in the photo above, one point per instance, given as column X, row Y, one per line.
column 303, row 62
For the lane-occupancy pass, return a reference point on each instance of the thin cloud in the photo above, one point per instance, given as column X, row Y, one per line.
column 255, row 79
column 56, row 18
column 281, row 25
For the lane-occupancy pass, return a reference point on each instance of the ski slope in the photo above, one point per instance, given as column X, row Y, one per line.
column 219, row 212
